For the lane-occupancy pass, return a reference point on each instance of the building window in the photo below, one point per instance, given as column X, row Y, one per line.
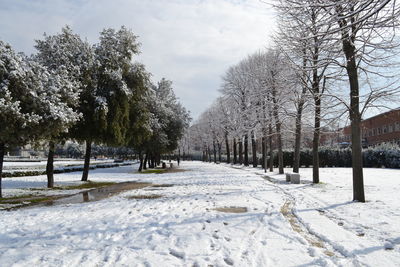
column 385, row 130
column 397, row 128
column 374, row 132
column 391, row 128
column 370, row 133
column 379, row 130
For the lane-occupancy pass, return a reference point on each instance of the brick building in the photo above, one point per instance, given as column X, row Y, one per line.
column 382, row 128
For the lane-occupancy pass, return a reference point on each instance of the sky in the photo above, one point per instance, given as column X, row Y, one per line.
column 191, row 42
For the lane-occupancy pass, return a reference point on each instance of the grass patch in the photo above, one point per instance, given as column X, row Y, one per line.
column 16, row 197
column 145, row 196
column 24, row 199
column 315, row 241
column 38, row 200
column 160, row 171
column 88, row 184
column 232, row 209
column 85, row 185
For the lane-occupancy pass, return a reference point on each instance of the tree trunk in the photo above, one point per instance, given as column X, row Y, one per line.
column 228, row 154
column 240, row 151
column 263, row 152
column 153, row 161
column 271, row 152
column 278, row 125
column 265, row 146
column 145, row 162
column 234, row 151
column 50, row 165
column 246, row 150
column 280, row 151
column 149, row 160
column 215, row 151
column 358, row 179
column 2, row 152
column 158, row 159
column 219, row 151
column 141, row 162
column 317, row 125
column 317, row 115
column 254, row 149
column 86, row 166
column 297, row 142
column 355, row 118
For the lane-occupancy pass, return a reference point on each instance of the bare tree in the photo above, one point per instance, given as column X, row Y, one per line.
column 309, row 45
column 362, row 33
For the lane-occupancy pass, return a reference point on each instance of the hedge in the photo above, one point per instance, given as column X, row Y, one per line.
column 60, row 170
column 385, row 155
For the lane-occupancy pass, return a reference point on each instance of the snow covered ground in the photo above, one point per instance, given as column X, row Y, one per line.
column 183, row 227
column 20, row 165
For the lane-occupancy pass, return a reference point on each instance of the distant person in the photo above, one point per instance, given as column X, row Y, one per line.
column 178, row 160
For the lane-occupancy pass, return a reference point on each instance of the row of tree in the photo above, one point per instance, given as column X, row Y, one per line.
column 71, row 89
column 329, row 58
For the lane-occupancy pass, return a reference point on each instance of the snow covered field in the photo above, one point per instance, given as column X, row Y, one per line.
column 184, row 228
column 19, row 165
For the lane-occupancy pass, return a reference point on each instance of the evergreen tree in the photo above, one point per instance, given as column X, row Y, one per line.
column 31, row 100
column 168, row 121
column 105, row 103
column 65, row 53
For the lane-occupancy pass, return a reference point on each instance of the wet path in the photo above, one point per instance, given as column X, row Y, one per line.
column 98, row 193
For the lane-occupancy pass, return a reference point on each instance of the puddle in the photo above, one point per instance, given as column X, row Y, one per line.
column 97, row 194
column 232, row 209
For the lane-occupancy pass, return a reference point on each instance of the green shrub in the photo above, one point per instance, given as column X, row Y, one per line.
column 385, row 155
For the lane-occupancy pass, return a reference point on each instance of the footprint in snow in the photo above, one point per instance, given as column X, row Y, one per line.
column 178, row 254
column 229, row 261
column 245, row 254
column 388, row 246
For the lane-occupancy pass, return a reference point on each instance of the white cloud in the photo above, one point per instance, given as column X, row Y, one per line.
column 191, row 42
